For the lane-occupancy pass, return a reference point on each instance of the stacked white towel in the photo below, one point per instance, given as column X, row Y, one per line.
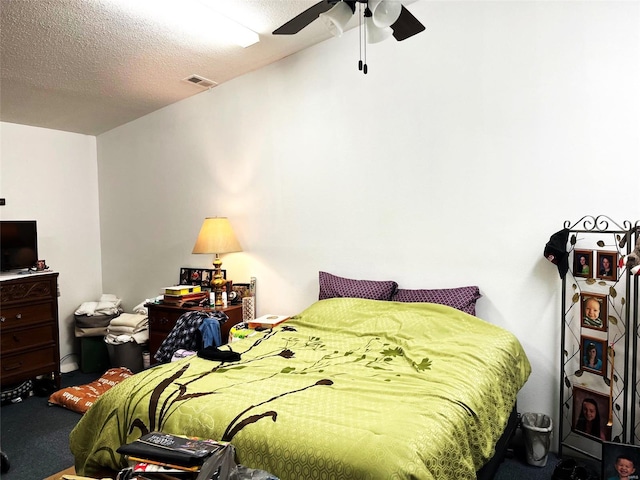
column 128, row 327
column 107, row 305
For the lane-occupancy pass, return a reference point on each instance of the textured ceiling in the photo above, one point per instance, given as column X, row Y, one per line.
column 88, row 66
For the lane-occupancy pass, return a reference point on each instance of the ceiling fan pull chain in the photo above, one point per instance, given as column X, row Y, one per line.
column 360, row 62
column 365, row 69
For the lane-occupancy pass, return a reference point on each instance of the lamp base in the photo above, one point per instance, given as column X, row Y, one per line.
column 218, row 283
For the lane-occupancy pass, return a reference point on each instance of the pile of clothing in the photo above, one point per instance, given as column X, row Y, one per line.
column 195, row 332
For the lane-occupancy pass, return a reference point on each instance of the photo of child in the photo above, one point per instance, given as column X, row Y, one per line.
column 594, row 311
column 625, row 467
column 619, row 461
column 590, row 412
column 593, row 352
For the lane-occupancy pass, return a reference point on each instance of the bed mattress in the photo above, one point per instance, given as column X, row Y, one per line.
column 349, row 388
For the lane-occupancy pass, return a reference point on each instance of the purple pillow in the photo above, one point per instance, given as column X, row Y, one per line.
column 332, row 286
column 462, row 298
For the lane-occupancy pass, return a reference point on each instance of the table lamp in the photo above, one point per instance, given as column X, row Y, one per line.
column 216, row 236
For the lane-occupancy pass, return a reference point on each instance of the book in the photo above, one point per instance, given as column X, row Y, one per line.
column 179, row 300
column 170, row 449
column 267, row 321
column 152, row 466
column 182, row 289
column 186, row 296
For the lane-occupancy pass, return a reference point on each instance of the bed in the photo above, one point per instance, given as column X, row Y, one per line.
column 349, row 388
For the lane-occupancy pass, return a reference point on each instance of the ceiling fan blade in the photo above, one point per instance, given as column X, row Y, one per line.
column 300, row 21
column 406, row 26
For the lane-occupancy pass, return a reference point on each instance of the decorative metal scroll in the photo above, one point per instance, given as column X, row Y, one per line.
column 601, row 223
column 599, row 393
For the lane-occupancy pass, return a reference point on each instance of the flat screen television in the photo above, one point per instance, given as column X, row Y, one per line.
column 18, row 244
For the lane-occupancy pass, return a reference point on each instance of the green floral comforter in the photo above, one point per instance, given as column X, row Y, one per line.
column 348, row 389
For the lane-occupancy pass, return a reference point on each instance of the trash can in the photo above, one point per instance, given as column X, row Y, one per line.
column 537, row 429
column 94, row 356
column 126, row 339
column 127, row 355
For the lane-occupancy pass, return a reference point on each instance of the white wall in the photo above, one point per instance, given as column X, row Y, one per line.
column 51, row 177
column 451, row 163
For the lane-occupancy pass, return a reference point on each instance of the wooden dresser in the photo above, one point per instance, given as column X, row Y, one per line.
column 29, row 341
column 162, row 319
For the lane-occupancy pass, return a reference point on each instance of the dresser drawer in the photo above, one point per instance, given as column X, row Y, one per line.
column 25, row 365
column 13, row 341
column 26, row 315
column 162, row 321
column 29, row 289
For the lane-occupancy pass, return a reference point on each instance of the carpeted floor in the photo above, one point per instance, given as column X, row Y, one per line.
column 35, row 437
column 516, row 467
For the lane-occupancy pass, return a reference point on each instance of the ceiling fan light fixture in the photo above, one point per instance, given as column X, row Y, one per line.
column 337, row 18
column 385, row 12
column 376, row 34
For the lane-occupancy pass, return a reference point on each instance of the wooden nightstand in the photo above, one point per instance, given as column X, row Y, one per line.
column 162, row 319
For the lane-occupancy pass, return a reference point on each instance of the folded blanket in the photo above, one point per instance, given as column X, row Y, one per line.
column 98, row 308
column 132, row 320
column 126, row 330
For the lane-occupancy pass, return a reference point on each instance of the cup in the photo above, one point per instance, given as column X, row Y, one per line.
column 146, row 359
column 248, row 309
column 41, row 265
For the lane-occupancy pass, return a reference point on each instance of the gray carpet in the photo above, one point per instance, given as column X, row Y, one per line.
column 35, row 437
column 516, row 467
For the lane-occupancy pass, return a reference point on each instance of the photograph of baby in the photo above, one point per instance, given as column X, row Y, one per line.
column 594, row 311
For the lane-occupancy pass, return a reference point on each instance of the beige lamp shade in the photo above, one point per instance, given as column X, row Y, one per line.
column 216, row 236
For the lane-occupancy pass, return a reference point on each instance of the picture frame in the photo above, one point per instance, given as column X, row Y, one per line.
column 593, row 355
column 590, row 414
column 582, row 263
column 198, row 276
column 607, row 265
column 594, row 311
column 184, row 277
column 238, row 291
column 621, row 456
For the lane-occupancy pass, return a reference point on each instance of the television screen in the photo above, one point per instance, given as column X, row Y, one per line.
column 18, row 244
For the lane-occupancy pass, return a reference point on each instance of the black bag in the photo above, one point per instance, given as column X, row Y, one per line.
column 569, row 470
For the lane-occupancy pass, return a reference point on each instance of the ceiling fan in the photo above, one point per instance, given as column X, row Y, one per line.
column 384, row 13
column 382, row 18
